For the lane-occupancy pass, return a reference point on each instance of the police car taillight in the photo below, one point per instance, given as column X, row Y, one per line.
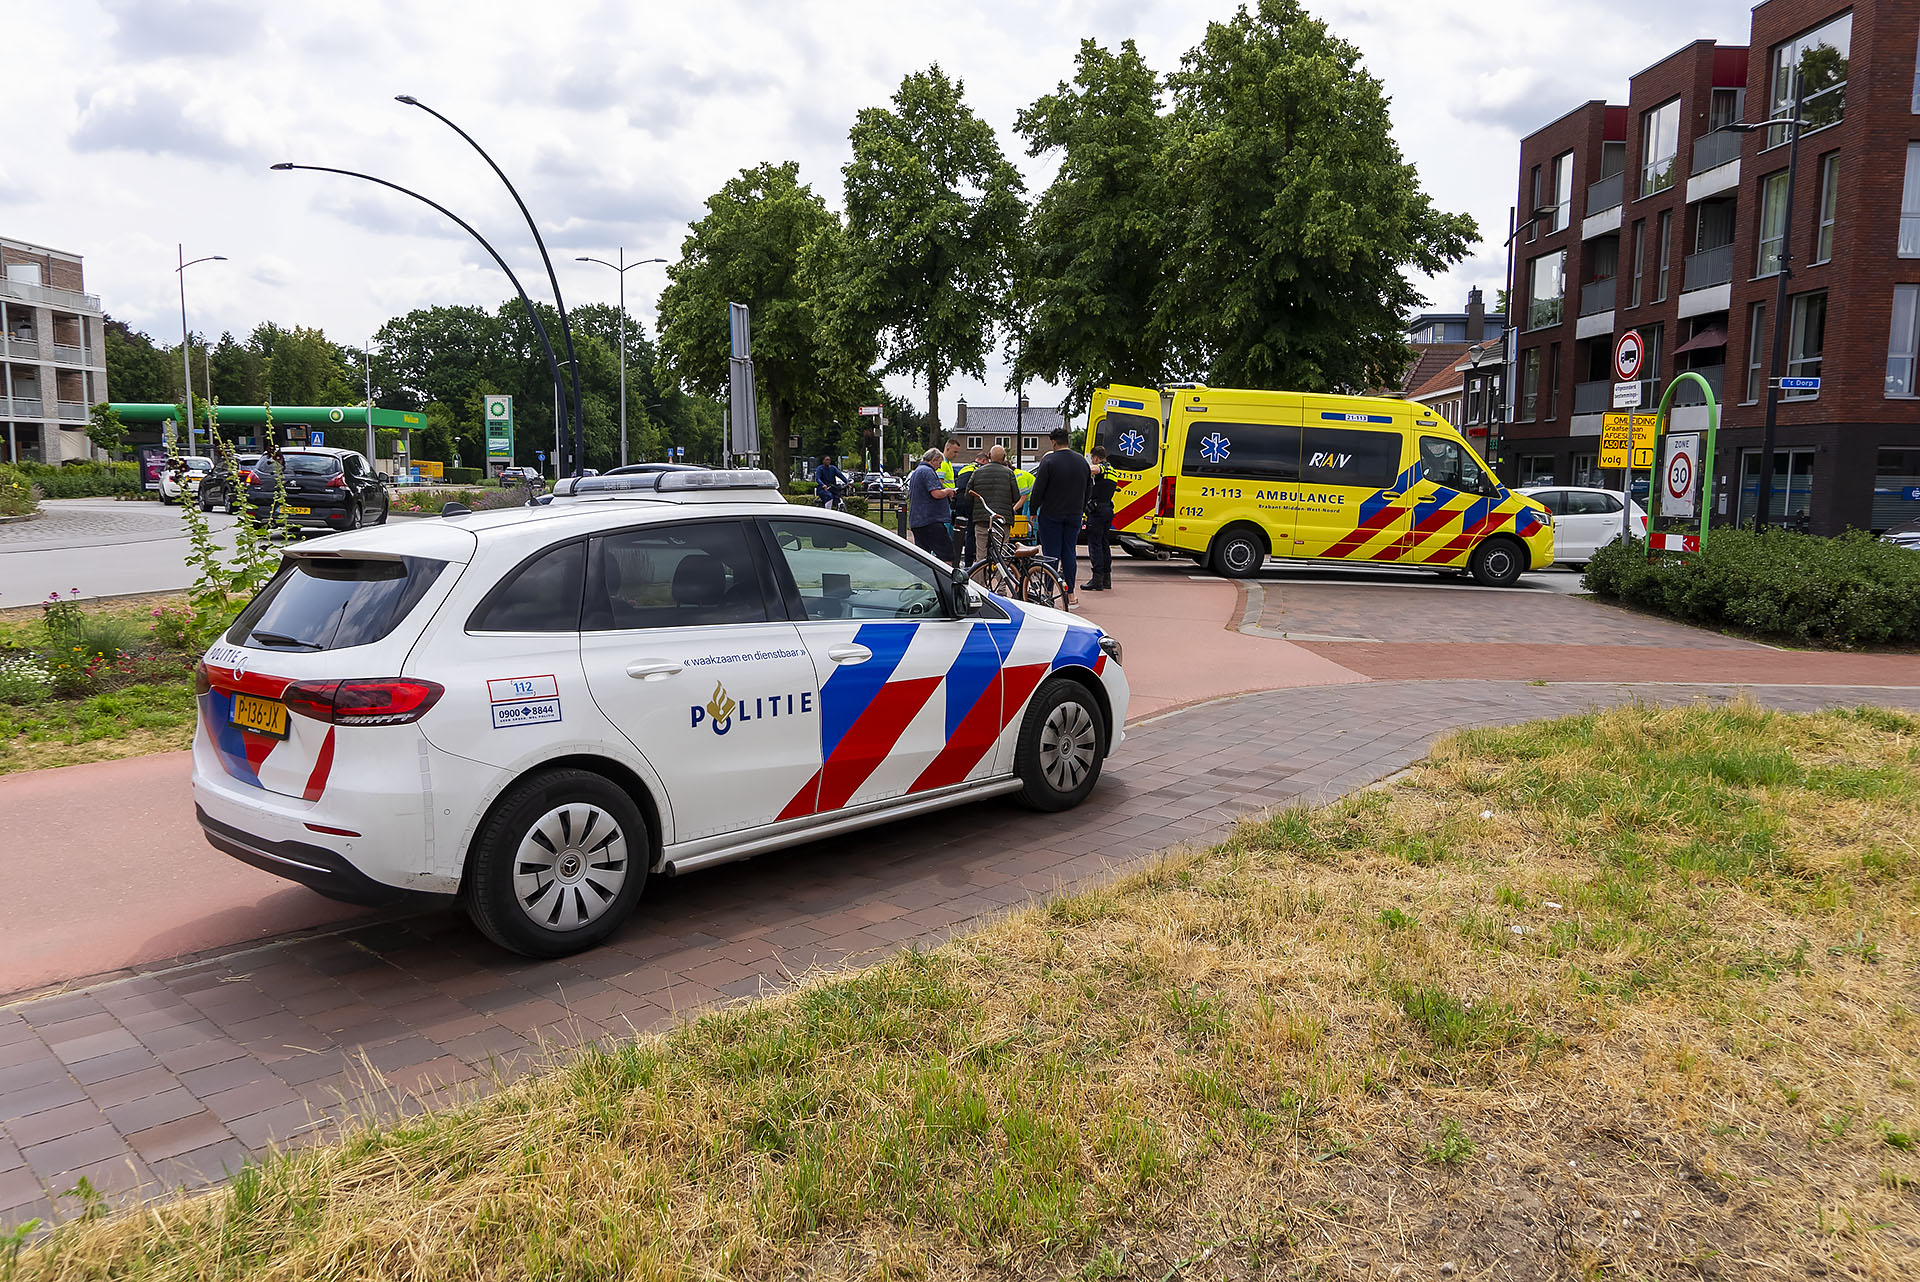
column 364, row 701
column 1166, row 497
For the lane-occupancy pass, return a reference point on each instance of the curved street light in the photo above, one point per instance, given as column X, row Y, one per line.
column 186, row 356
column 566, row 330
column 553, row 365
column 622, row 269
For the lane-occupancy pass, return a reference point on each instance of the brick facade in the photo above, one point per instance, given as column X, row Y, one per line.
column 1838, row 436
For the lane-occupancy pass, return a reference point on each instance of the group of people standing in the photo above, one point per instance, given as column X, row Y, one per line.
column 1069, row 490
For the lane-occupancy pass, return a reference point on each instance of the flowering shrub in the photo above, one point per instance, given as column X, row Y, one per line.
column 177, row 629
column 24, row 678
column 18, row 494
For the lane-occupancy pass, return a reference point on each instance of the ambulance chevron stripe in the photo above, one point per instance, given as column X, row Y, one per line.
column 1138, row 510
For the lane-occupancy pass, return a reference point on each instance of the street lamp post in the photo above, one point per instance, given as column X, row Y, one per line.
column 1510, row 339
column 186, row 344
column 553, row 365
column 560, row 305
column 1763, row 499
column 621, row 270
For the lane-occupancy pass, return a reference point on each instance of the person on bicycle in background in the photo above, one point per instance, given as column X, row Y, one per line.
column 995, row 492
column 829, row 482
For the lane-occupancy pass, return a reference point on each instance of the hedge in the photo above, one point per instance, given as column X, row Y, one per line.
column 18, row 495
column 83, row 480
column 462, row 475
column 1840, row 593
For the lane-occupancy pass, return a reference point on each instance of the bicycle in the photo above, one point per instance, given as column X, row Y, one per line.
column 834, row 499
column 1018, row 570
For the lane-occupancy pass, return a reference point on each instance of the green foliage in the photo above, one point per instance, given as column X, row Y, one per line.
column 856, row 505
column 1843, row 592
column 19, row 494
column 305, row 368
column 1453, row 1146
column 1296, row 221
column 105, row 429
column 137, row 369
column 933, row 218
column 1096, row 241
column 463, row 475
column 769, row 241
column 82, row 480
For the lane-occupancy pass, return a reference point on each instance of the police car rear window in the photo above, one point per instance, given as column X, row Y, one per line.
column 332, row 603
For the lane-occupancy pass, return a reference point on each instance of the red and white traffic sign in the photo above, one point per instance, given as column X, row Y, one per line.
column 1674, row 542
column 1628, row 355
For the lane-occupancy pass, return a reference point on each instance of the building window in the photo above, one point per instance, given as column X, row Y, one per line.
column 973, row 442
column 1815, row 65
column 1659, row 147
column 1585, row 470
column 1650, row 342
column 1792, row 484
column 1806, row 337
column 1896, row 475
column 1756, row 326
column 1553, row 383
column 1773, row 223
column 1535, row 469
column 1529, row 384
column 1665, row 232
column 1639, row 265
column 1903, row 341
column 1473, row 400
column 1910, row 205
column 1562, row 191
column 1546, row 300
column 1829, row 206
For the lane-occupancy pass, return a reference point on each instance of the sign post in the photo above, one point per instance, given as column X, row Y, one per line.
column 1689, row 460
column 880, row 419
column 743, row 411
column 499, row 417
column 1628, row 356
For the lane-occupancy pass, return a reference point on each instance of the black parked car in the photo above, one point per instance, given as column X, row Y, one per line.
column 327, row 489
column 213, row 489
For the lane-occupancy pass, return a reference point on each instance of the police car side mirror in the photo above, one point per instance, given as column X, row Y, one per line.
column 964, row 605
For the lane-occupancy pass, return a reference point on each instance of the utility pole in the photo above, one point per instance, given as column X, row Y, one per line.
column 366, row 365
column 186, row 342
column 621, row 269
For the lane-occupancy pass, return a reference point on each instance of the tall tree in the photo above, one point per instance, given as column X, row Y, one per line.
column 760, row 243
column 1095, row 248
column 1297, row 219
column 138, row 370
column 933, row 213
column 304, row 368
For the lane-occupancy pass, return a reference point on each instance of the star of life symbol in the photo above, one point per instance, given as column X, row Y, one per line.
column 1214, row 448
column 1132, row 443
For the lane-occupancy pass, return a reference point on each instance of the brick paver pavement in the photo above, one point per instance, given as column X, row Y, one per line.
column 174, row 1076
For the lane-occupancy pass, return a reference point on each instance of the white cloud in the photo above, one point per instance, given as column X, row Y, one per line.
column 617, row 120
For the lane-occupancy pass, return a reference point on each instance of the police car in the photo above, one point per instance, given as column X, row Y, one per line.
column 538, row 708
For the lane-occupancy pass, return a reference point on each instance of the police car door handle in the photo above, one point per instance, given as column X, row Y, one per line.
column 652, row 669
column 850, row 652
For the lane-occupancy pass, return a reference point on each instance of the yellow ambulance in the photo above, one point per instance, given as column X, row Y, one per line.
column 1231, row 478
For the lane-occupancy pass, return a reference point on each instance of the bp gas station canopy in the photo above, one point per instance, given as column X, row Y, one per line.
column 294, row 417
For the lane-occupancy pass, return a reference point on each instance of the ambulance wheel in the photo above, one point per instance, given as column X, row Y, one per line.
column 1062, row 743
column 558, row 864
column 1238, row 552
column 1498, row 563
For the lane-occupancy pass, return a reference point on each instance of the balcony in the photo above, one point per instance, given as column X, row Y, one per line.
column 1597, row 397
column 24, row 348
column 1607, row 193
column 65, row 354
column 73, row 411
column 1597, row 296
column 1689, row 394
column 22, row 407
column 1710, row 151
column 1708, row 267
column 47, row 296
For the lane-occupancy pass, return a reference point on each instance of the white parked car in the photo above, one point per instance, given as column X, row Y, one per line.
column 537, row 708
column 173, row 487
column 1585, row 519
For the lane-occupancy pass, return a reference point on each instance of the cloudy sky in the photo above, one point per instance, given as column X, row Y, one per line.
column 140, row 124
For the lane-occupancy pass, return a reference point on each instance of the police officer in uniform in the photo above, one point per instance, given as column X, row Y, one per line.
column 1100, row 522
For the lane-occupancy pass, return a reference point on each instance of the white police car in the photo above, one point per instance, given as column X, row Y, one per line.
column 537, row 708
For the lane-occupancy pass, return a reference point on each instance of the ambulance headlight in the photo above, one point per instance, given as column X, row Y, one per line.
column 1110, row 647
column 1543, row 516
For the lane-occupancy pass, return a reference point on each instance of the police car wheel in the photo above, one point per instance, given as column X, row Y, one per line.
column 559, row 864
column 1238, row 553
column 1497, row 563
column 1062, row 743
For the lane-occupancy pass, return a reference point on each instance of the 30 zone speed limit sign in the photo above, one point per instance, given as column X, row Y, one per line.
column 1628, row 356
column 1682, row 476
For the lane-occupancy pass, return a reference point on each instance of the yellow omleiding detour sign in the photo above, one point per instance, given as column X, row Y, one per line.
column 1613, row 440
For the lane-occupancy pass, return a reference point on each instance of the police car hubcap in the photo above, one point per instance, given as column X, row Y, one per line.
column 570, row 866
column 1067, row 746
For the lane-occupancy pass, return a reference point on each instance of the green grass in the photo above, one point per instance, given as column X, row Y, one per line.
column 128, row 722
column 1656, row 1011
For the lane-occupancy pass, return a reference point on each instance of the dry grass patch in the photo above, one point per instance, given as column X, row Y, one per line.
column 1627, row 994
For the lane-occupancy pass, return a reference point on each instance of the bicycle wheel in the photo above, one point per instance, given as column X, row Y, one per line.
column 995, row 578
column 1041, row 585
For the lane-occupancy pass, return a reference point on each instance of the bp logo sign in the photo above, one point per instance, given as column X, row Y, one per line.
column 335, row 415
column 499, row 417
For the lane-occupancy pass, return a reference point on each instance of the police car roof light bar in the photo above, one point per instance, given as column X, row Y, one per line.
column 648, row 483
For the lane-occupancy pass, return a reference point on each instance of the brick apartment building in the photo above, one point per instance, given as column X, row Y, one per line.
column 1655, row 222
column 53, row 355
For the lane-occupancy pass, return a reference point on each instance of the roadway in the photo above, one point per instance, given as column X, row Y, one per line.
column 99, row 547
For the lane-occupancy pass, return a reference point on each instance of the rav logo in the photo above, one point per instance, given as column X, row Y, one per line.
column 720, row 711
column 1325, row 459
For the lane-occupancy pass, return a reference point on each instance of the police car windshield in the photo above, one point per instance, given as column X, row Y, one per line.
column 331, row 603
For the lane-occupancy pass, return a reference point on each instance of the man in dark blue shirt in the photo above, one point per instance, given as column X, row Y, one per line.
column 1061, row 483
column 827, row 482
column 930, row 506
